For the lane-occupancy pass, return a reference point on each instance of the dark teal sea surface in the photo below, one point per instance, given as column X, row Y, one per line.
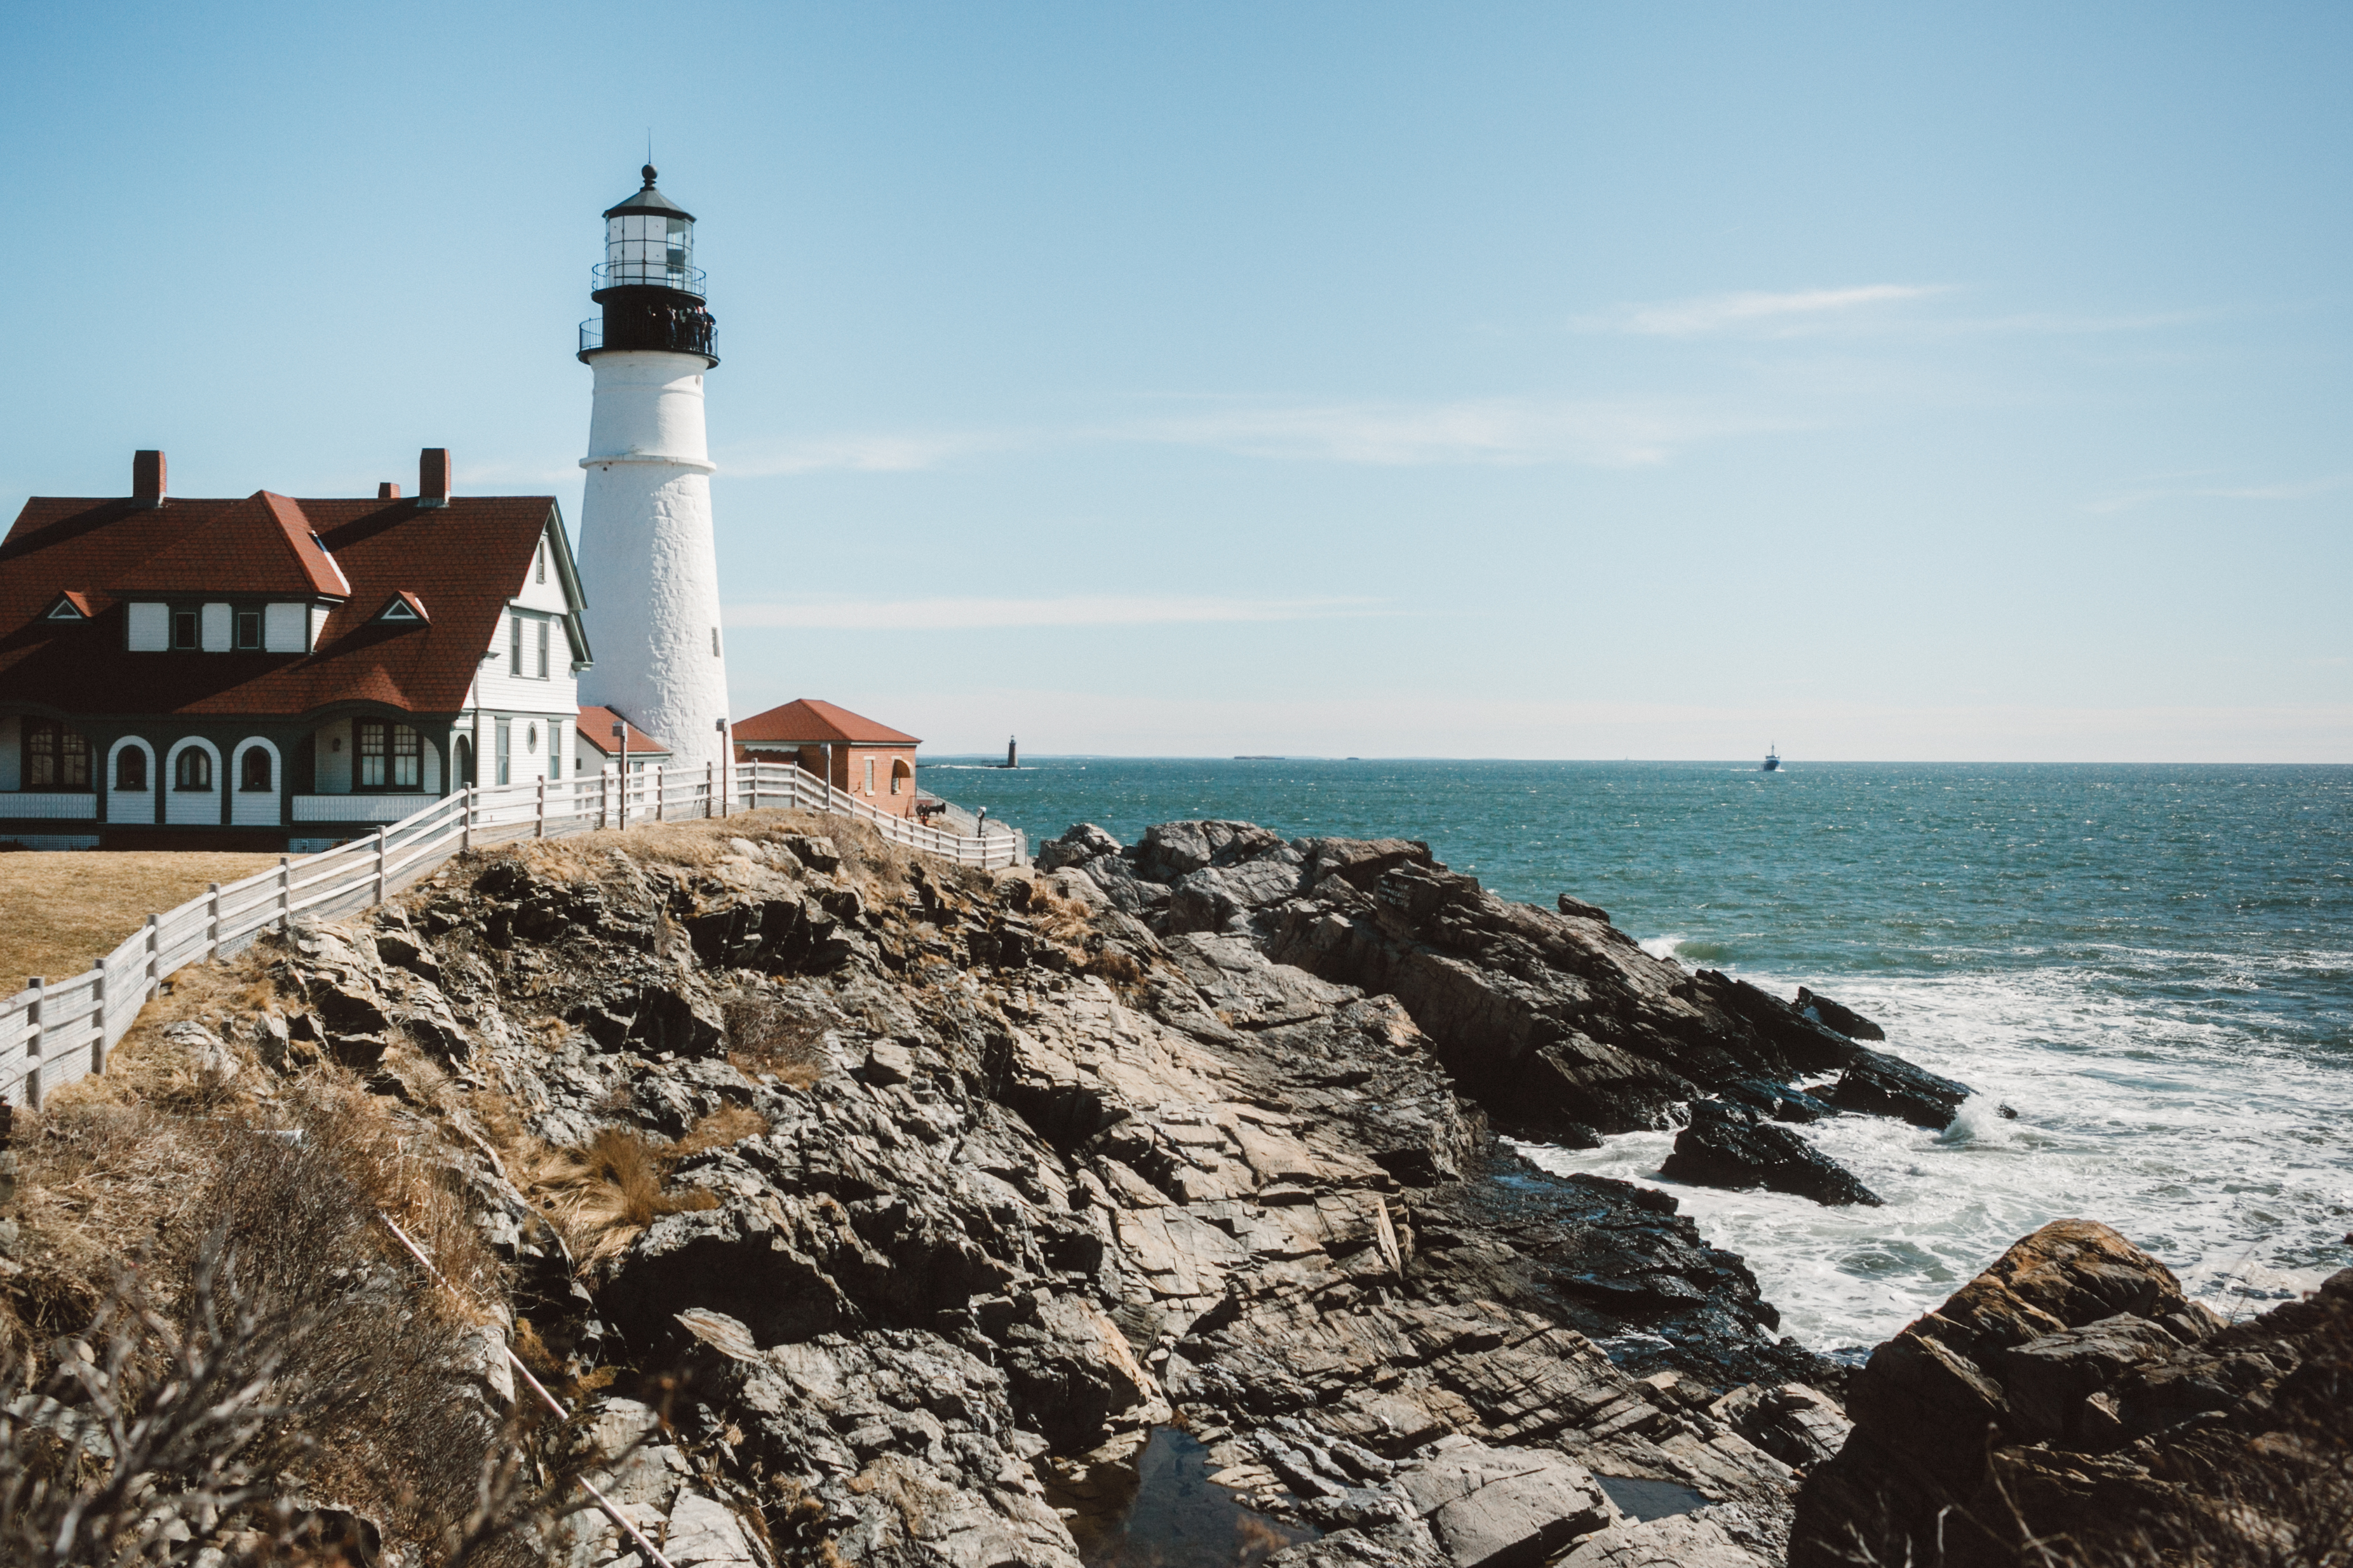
column 2153, row 965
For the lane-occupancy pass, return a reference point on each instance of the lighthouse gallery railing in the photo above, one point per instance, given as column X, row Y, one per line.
column 52, row 1034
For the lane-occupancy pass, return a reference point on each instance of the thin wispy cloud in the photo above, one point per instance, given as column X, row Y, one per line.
column 1783, row 314
column 1495, row 430
column 1069, row 610
column 867, row 453
column 2282, row 490
column 1498, row 430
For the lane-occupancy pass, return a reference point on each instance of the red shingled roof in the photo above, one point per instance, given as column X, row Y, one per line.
column 261, row 544
column 596, row 729
column 465, row 560
column 808, row 721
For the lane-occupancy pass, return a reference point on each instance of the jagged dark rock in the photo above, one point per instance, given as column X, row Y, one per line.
column 1730, row 1146
column 1884, row 1085
column 1555, row 1021
column 1845, row 1020
column 2071, row 1404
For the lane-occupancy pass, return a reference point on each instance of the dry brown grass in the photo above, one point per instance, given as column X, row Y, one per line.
column 1057, row 919
column 602, row 1196
column 59, row 913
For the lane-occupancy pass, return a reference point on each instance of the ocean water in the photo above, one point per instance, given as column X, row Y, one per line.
column 2153, row 965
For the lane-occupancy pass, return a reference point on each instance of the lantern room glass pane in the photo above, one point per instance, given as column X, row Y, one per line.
column 648, row 249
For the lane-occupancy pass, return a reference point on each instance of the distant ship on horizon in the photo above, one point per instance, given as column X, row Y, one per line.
column 1772, row 764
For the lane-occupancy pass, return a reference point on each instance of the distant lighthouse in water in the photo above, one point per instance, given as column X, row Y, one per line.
column 648, row 565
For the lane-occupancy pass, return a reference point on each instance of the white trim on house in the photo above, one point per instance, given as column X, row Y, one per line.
column 255, row 808
column 131, row 805
column 191, row 807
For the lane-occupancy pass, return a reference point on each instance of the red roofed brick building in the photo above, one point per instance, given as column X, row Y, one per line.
column 870, row 761
column 277, row 673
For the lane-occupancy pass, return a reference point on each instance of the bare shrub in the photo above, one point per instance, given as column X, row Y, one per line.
column 290, row 1354
column 1113, row 964
column 766, row 1038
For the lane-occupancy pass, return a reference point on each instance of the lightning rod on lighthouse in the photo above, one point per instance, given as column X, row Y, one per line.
column 648, row 564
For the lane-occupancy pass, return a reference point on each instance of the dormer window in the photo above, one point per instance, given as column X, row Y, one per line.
column 406, row 608
column 68, row 607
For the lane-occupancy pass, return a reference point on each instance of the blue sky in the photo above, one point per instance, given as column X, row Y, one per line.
column 1548, row 381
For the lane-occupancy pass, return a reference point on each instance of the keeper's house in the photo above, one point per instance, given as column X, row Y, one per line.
column 274, row 674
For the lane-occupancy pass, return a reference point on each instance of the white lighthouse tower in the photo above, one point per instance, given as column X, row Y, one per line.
column 648, row 565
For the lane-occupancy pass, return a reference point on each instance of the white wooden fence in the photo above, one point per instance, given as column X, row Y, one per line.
column 52, row 1033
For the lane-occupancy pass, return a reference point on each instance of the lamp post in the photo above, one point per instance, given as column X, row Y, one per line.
column 621, row 733
column 726, row 755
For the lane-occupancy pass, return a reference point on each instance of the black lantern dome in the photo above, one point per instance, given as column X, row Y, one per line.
column 648, row 284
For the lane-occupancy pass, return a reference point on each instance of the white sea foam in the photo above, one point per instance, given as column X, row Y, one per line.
column 2222, row 1151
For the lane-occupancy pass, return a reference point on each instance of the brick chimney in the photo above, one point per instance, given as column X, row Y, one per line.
column 433, row 476
column 147, row 479
column 387, row 491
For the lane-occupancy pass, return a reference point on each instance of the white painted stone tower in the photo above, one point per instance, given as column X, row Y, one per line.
column 648, row 565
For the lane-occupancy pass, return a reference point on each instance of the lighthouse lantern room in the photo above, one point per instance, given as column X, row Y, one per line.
column 649, row 566
column 649, row 285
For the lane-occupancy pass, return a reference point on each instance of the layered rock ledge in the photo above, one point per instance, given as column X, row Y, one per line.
column 879, row 1211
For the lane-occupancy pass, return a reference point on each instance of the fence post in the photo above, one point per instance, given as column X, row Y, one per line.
column 465, row 823
column 710, row 789
column 658, row 801
column 33, row 1044
column 285, row 893
column 539, row 810
column 97, row 1046
column 212, row 922
column 379, row 863
column 154, row 955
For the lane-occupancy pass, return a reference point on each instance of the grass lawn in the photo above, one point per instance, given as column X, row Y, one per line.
column 60, row 911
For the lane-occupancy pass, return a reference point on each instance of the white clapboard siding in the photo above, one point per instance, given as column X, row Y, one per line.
column 51, row 1034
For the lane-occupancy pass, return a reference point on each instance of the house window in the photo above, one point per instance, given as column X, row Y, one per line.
column 901, row 776
column 131, row 768
column 542, row 651
column 184, row 628
column 373, row 748
column 506, row 748
column 55, row 756
column 869, row 776
column 253, row 770
column 391, row 757
column 193, row 770
column 514, row 645
column 540, row 570
column 249, row 628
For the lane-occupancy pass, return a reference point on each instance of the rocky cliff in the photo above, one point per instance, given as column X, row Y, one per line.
column 876, row 1211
